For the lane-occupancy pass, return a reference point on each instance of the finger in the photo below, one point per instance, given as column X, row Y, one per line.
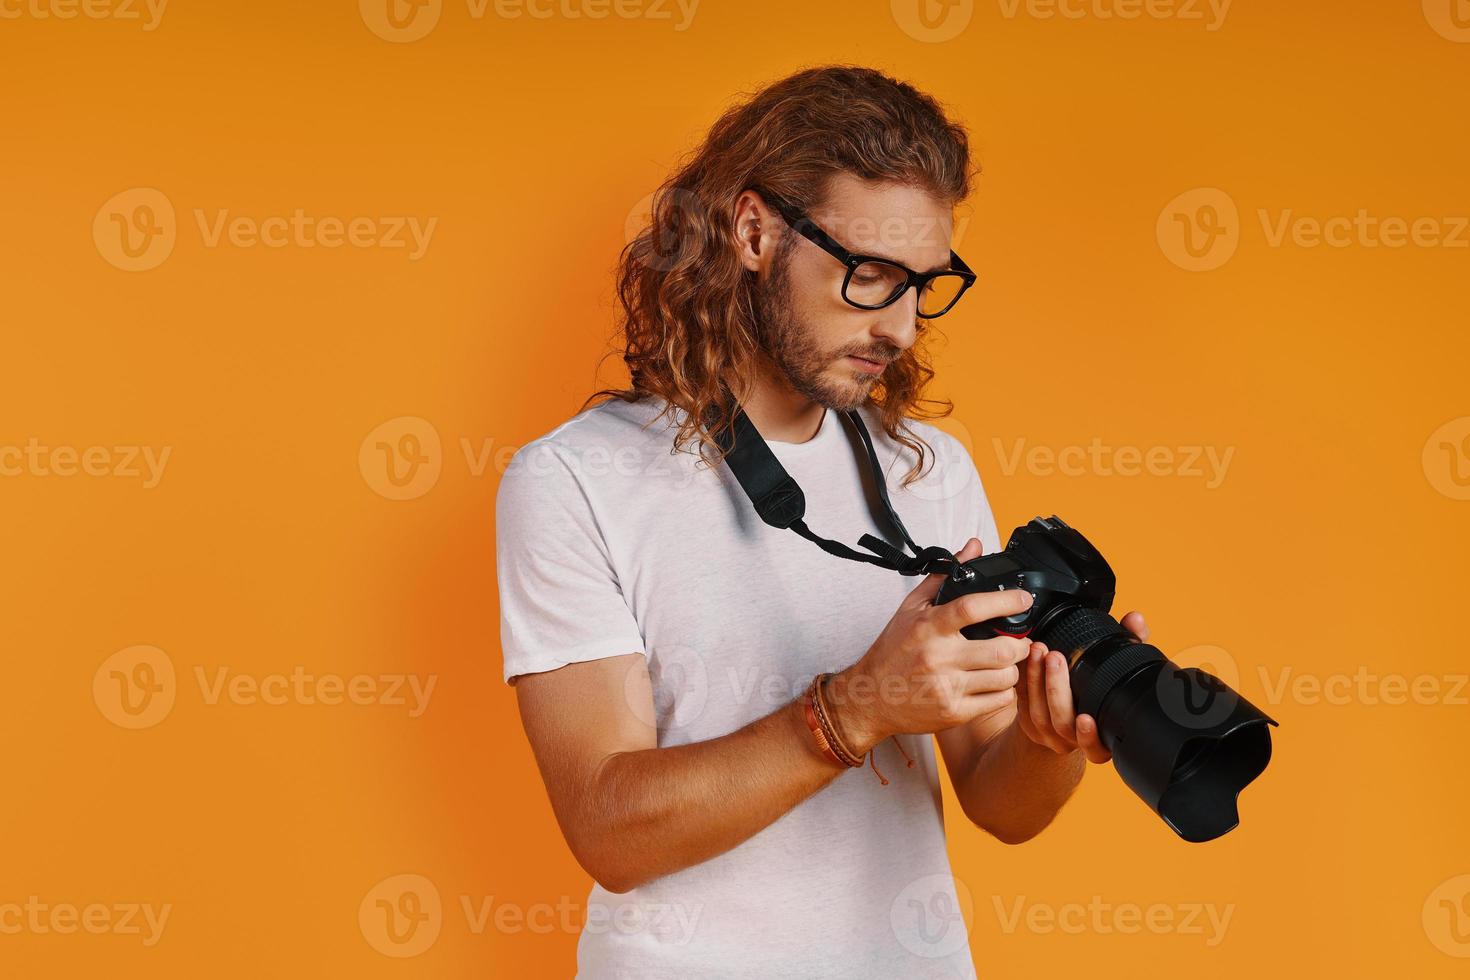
column 1089, row 740
column 1133, row 623
column 1036, row 698
column 992, row 654
column 972, row 549
column 923, row 594
column 980, row 606
column 997, row 679
column 990, row 702
column 1023, row 704
column 1059, row 697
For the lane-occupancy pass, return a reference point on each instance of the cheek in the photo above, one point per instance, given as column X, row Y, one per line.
column 818, row 307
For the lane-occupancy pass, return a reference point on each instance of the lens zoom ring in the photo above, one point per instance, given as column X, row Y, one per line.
column 1116, row 666
column 1079, row 629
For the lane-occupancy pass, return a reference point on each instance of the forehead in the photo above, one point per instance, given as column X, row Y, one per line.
column 890, row 220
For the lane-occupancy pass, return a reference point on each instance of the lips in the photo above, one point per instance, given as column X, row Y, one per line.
column 863, row 364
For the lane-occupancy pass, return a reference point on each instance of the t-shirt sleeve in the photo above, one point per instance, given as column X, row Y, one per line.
column 560, row 600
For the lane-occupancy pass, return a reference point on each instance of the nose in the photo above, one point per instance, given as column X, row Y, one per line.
column 896, row 323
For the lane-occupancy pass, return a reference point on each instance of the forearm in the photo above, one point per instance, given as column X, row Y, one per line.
column 651, row 812
column 1016, row 787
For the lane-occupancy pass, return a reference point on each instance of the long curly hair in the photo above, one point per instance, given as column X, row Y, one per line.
column 688, row 326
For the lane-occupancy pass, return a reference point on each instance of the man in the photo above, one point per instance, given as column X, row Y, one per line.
column 663, row 640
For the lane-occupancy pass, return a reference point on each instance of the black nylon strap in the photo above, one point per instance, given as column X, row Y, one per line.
column 779, row 502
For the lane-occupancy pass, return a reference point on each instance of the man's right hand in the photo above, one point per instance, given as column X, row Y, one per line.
column 922, row 674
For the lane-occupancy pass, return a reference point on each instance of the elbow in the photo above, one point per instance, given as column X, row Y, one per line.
column 612, row 873
column 1012, row 836
column 618, row 881
column 1012, row 833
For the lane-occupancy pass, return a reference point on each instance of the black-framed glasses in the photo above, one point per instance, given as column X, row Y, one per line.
column 873, row 282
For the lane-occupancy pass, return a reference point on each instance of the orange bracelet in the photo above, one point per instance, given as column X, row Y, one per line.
column 816, row 722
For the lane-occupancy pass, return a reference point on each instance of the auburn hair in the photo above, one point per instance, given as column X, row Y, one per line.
column 688, row 330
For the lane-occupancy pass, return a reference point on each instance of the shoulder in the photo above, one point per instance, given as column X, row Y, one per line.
column 604, row 440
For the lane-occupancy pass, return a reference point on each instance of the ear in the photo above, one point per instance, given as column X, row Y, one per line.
column 757, row 227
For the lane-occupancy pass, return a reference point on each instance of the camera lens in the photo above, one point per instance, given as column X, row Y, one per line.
column 1182, row 739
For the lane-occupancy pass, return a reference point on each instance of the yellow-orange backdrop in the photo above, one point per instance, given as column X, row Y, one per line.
column 1235, row 230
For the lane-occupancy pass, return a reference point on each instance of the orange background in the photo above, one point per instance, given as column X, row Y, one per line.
column 1334, row 544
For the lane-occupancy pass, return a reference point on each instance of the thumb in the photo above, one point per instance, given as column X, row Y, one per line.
column 923, row 594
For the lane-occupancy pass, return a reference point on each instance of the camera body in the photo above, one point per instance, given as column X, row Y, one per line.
column 1182, row 739
column 1055, row 563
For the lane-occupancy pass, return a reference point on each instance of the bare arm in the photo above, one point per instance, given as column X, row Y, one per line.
column 632, row 812
column 1015, row 768
column 1007, row 784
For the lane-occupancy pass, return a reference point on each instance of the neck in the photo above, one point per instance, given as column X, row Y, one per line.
column 780, row 412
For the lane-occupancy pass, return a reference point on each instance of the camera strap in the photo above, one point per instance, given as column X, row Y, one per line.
column 778, row 499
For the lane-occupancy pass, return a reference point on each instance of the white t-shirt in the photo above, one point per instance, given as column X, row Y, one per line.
column 609, row 544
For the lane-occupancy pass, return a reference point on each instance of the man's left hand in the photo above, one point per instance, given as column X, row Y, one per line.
column 1044, row 708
